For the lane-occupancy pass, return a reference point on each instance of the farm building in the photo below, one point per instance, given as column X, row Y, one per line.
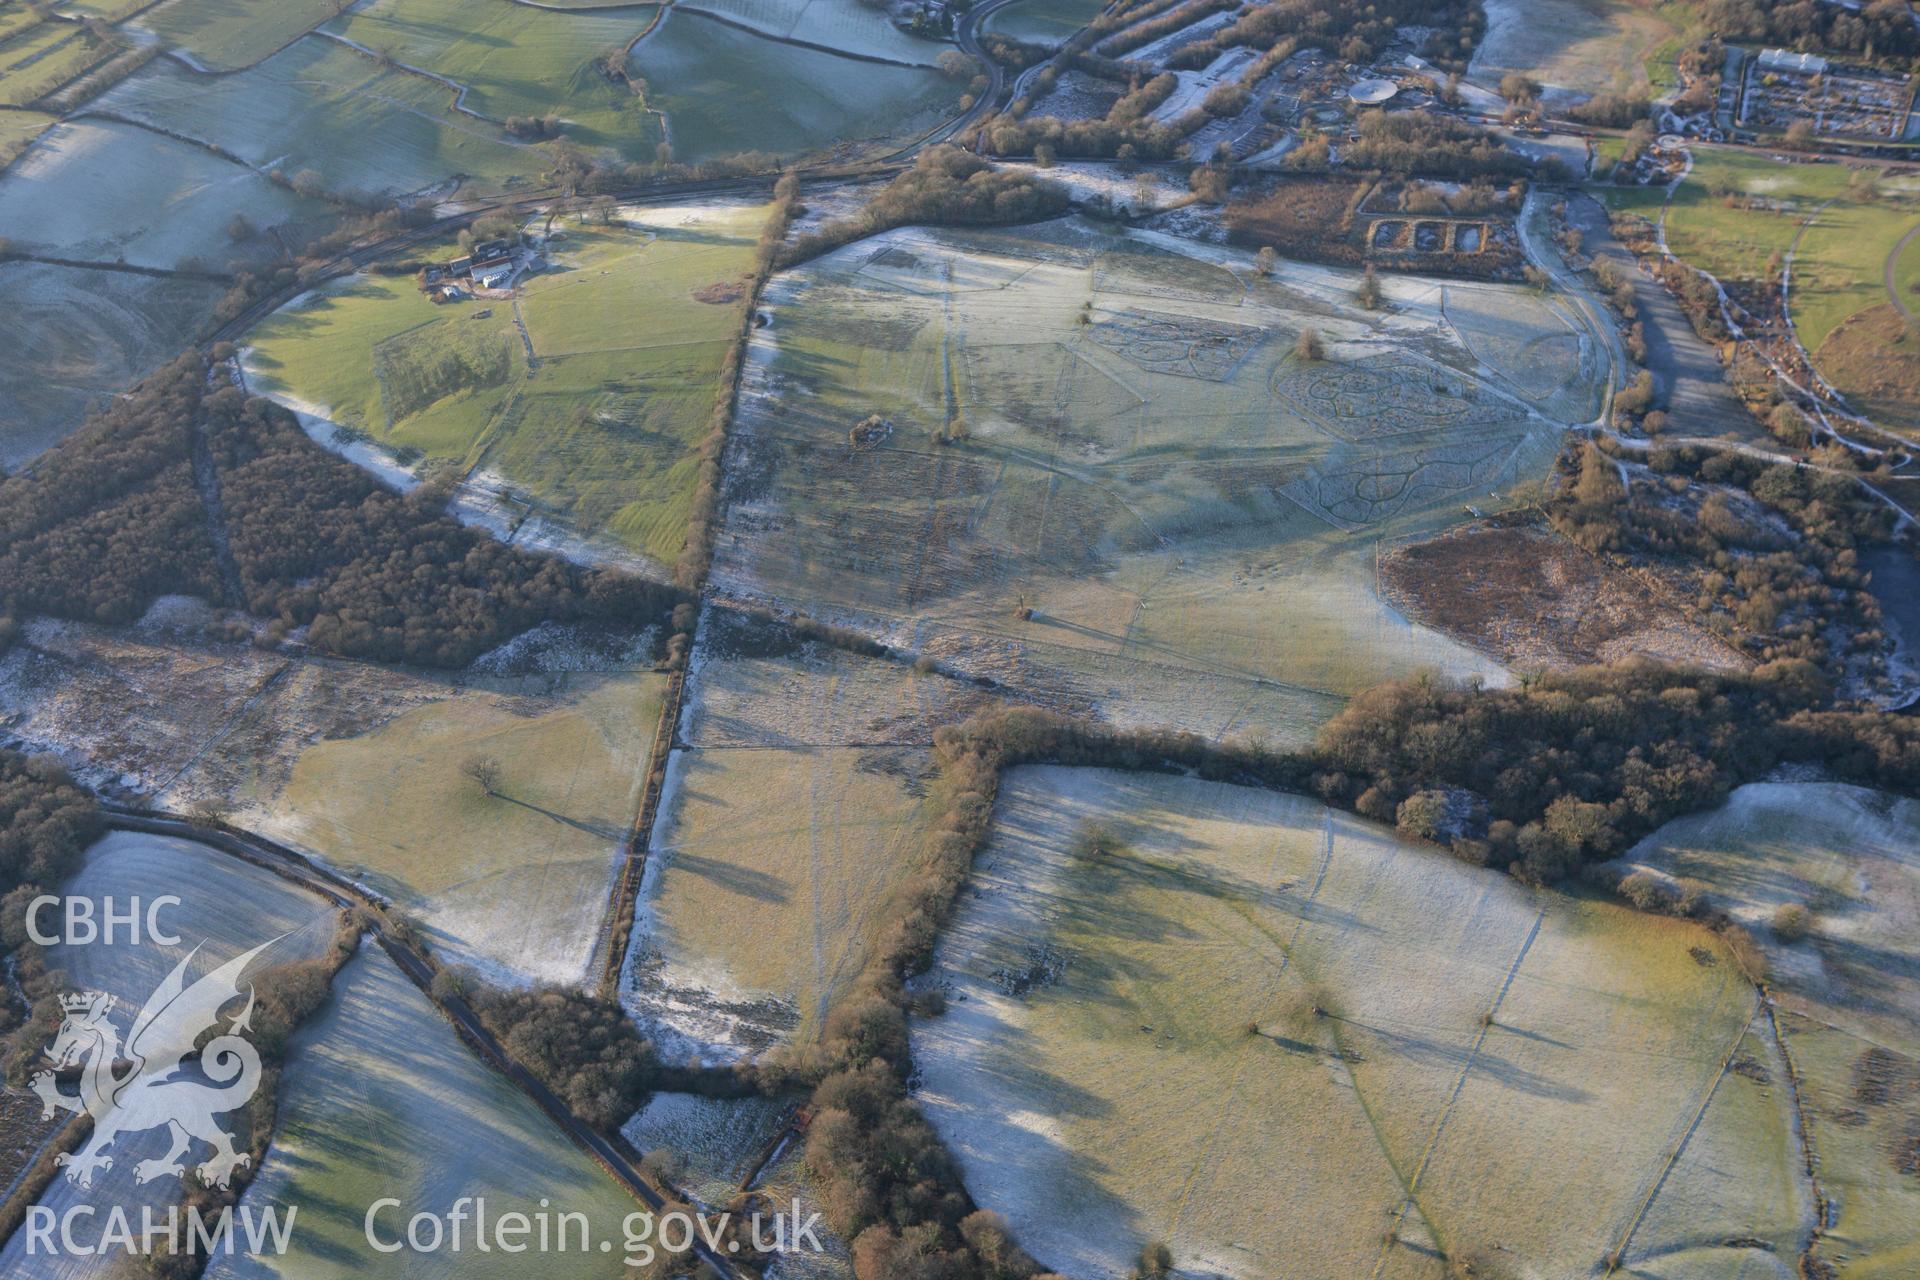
column 1787, row 62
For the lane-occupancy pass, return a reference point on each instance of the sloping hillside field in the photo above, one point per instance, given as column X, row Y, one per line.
column 1151, row 487
column 1288, row 1043
column 724, row 90
column 384, row 1101
column 512, row 882
column 794, row 814
column 585, row 394
column 225, row 908
column 324, row 106
column 1848, row 983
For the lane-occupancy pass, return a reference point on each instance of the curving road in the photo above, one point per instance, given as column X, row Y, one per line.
column 1893, row 286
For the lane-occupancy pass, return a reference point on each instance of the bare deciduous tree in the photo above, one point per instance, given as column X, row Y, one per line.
column 485, row 772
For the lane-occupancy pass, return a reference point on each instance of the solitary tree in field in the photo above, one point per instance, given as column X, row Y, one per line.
column 1309, row 346
column 485, row 772
column 1156, row 1261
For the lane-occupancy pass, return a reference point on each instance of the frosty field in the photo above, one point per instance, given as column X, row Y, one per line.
column 1581, row 46
column 381, row 1099
column 1850, row 855
column 1152, row 480
column 764, row 889
column 515, row 883
column 520, row 60
column 83, row 335
column 322, row 106
column 226, row 907
column 725, row 90
column 1288, row 1043
column 1849, row 991
column 106, row 192
column 797, row 807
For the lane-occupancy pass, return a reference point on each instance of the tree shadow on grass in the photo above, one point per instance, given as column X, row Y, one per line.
column 758, row 885
column 601, row 828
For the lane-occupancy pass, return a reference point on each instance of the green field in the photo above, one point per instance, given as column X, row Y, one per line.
column 226, row 35
column 322, row 106
column 600, row 431
column 106, row 10
column 1189, row 510
column 514, row 883
column 37, row 59
column 1737, row 216
column 381, row 1099
column 724, row 90
column 519, row 60
column 16, row 18
column 1290, row 1044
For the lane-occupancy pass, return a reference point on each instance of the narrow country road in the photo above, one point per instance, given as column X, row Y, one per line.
column 1893, row 285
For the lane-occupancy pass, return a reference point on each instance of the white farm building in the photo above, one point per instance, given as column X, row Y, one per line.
column 1786, row 62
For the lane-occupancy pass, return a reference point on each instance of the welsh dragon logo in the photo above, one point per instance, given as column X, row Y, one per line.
column 151, row 1091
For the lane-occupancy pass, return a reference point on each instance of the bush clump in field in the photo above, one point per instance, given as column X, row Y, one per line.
column 1094, row 842
column 1369, row 291
column 1661, row 894
column 1792, row 921
column 584, row 1049
column 945, row 187
column 1309, row 345
column 1155, row 1263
